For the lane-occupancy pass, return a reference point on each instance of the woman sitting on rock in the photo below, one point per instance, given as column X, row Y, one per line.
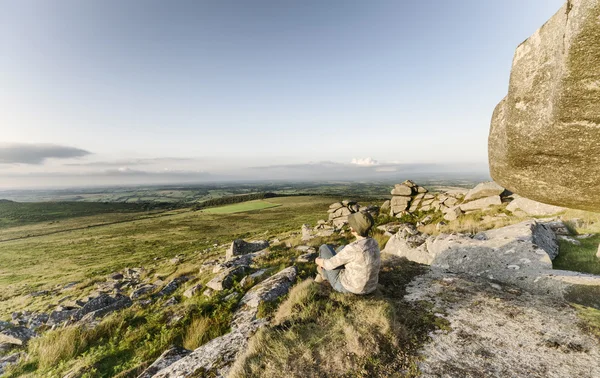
column 355, row 267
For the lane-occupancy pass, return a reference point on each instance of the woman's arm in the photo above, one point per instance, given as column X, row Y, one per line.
column 343, row 257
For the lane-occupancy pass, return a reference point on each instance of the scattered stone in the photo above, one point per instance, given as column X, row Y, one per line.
column 307, row 257
column 61, row 315
column 117, row 276
column 170, row 302
column 240, row 247
column 102, row 305
column 172, row 286
column 142, row 290
column 307, row 232
column 16, row 335
column 216, row 357
column 453, row 213
column 224, row 280
column 192, row 291
column 6, row 361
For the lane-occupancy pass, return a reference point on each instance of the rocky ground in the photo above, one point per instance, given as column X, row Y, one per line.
column 504, row 311
column 499, row 330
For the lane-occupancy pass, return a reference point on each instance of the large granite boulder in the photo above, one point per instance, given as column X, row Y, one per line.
column 543, row 142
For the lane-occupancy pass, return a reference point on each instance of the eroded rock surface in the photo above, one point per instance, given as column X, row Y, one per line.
column 216, row 357
column 519, row 255
column 543, row 142
column 498, row 330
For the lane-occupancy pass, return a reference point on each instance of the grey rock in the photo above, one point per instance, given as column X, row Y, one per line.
column 402, row 190
column 483, row 190
column 100, row 306
column 170, row 302
column 534, row 208
column 453, row 213
column 335, row 206
column 172, row 286
column 11, row 359
column 307, row 257
column 192, row 291
column 307, row 232
column 241, row 247
column 142, row 290
column 481, row 204
column 216, row 357
column 386, row 206
column 543, row 142
column 225, row 279
column 166, row 359
column 61, row 316
column 16, row 335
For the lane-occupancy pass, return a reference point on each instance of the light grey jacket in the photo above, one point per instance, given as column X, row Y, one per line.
column 361, row 261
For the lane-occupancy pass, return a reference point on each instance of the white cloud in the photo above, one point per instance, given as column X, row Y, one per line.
column 366, row 162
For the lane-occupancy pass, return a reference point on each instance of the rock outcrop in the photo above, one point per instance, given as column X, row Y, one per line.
column 339, row 211
column 216, row 357
column 543, row 142
column 519, row 255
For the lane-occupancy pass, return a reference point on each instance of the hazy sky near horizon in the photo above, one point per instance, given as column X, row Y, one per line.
column 112, row 91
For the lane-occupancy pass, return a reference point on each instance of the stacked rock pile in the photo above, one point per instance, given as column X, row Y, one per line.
column 339, row 211
column 483, row 196
column 410, row 197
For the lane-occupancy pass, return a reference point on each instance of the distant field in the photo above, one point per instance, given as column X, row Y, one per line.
column 241, row 207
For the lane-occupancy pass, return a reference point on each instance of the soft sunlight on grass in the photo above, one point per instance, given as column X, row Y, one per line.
column 241, row 207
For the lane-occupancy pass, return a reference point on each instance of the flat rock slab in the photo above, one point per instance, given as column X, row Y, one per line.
column 497, row 330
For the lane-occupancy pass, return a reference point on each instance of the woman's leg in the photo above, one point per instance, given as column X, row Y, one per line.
column 326, row 252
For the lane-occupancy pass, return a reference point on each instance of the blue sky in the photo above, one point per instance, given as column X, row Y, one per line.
column 102, row 91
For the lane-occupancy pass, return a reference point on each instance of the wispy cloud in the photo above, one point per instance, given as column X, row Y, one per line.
column 131, row 162
column 21, row 153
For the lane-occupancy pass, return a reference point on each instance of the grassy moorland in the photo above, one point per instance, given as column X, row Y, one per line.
column 40, row 263
column 125, row 342
column 241, row 207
